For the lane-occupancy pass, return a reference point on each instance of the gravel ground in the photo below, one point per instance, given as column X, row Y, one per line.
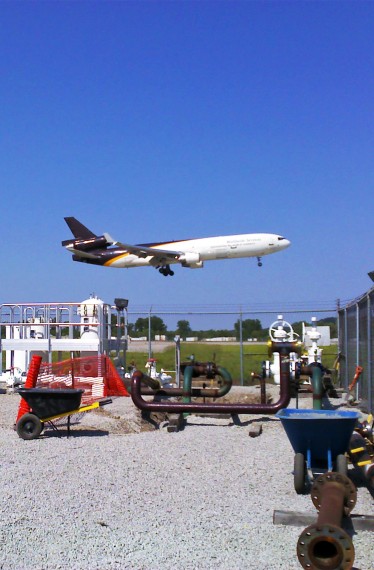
column 113, row 496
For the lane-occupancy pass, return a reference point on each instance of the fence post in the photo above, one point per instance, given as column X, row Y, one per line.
column 241, row 348
column 369, row 347
column 150, row 334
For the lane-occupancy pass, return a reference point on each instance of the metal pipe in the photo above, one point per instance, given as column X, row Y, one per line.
column 317, row 387
column 262, row 380
column 227, row 408
column 315, row 370
column 213, row 370
column 153, row 386
column 360, row 457
column 173, row 392
column 325, row 545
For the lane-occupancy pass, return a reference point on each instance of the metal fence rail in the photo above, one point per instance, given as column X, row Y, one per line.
column 356, row 333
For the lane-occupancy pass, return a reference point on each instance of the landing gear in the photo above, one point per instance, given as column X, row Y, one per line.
column 259, row 262
column 165, row 270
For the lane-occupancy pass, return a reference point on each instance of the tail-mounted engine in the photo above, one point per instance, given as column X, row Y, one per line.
column 97, row 242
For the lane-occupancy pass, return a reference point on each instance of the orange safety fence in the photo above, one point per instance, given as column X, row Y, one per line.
column 96, row 375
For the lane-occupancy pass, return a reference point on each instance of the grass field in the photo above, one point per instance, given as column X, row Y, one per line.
column 227, row 356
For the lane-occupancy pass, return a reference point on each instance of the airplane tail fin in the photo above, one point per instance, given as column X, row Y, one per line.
column 84, row 240
column 78, row 230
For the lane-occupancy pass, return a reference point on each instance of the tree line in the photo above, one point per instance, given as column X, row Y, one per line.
column 251, row 328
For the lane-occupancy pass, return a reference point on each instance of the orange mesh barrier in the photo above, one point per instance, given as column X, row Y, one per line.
column 96, row 375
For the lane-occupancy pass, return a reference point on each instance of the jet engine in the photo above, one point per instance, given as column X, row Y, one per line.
column 198, row 265
column 88, row 244
column 191, row 260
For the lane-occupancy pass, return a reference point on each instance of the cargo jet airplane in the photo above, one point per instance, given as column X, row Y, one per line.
column 103, row 250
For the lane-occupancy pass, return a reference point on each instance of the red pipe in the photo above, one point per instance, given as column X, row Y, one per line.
column 229, row 408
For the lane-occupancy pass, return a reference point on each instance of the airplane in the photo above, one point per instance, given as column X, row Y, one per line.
column 88, row 247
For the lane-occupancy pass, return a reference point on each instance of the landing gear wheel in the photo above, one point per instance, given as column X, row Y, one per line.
column 299, row 473
column 165, row 270
column 342, row 465
column 29, row 427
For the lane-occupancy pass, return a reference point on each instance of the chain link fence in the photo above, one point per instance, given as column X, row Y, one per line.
column 356, row 333
column 221, row 321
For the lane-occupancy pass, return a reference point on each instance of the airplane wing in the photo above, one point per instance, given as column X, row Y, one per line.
column 159, row 256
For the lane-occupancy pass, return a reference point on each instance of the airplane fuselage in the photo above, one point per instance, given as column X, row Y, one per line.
column 206, row 249
column 87, row 247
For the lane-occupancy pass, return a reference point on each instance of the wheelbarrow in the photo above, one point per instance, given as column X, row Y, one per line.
column 320, row 439
column 49, row 404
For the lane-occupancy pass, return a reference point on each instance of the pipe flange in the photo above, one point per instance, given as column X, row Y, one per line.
column 330, row 477
column 325, row 547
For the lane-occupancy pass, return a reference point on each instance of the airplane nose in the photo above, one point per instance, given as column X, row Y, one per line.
column 283, row 242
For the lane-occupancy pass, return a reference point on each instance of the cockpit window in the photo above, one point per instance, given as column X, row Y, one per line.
column 279, row 238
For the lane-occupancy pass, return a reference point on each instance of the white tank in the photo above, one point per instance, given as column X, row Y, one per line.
column 91, row 314
column 36, row 329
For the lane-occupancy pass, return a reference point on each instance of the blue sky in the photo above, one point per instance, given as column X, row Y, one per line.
column 168, row 120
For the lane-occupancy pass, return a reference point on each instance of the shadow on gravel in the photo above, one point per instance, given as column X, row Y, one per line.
column 265, row 419
column 73, row 433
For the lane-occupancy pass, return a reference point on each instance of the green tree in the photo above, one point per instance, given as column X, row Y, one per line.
column 329, row 322
column 298, row 328
column 183, row 328
column 141, row 326
column 251, row 328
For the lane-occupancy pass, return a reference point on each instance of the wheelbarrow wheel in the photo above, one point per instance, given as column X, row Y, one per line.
column 29, row 426
column 342, row 464
column 299, row 473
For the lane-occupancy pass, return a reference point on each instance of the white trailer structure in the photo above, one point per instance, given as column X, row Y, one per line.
column 29, row 329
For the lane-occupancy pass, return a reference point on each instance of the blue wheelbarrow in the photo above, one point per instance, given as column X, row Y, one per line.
column 320, row 439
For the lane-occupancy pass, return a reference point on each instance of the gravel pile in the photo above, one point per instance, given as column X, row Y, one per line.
column 113, row 496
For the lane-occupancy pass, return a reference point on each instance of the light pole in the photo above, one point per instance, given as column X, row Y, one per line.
column 121, row 306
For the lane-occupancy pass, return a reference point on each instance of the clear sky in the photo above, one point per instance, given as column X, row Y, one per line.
column 168, row 120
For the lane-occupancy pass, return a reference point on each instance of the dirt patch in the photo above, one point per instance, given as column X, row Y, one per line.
column 122, row 417
column 239, row 398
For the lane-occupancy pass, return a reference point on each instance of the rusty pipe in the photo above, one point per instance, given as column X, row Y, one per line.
column 262, row 379
column 189, row 373
column 153, row 386
column 324, row 545
column 226, row 408
column 195, row 392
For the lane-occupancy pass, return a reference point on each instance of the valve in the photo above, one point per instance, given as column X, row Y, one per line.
column 282, row 331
